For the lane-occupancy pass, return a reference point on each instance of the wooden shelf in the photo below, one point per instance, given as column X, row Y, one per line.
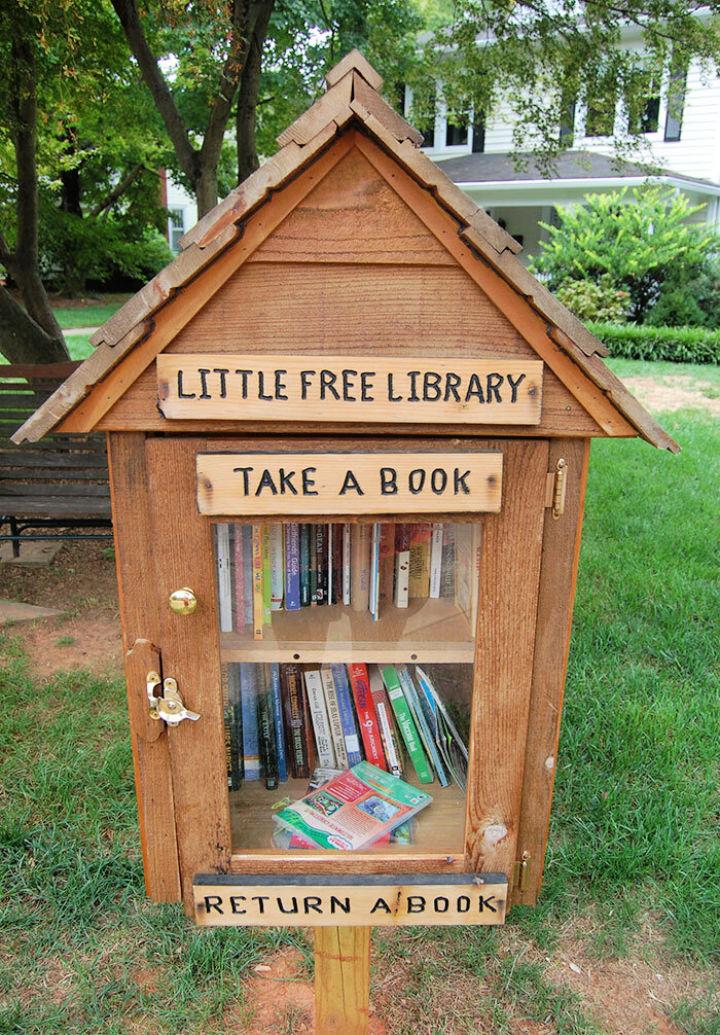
column 427, row 630
column 438, row 828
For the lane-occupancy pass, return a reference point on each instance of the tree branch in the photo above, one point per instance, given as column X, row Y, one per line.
column 118, row 190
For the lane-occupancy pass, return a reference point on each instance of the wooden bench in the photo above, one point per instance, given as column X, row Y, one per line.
column 59, row 483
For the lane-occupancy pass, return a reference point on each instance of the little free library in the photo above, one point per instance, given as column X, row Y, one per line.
column 349, row 437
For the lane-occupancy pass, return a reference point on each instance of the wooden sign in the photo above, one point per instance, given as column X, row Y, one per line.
column 222, row 386
column 398, row 900
column 348, row 483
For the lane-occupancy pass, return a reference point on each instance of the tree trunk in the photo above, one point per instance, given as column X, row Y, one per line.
column 206, row 189
column 22, row 340
column 245, row 122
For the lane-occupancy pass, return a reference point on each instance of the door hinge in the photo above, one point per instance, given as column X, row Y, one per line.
column 556, row 488
column 521, row 872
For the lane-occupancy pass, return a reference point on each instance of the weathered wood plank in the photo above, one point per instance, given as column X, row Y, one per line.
column 342, row 980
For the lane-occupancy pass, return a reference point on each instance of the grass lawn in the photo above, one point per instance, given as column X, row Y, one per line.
column 632, row 895
column 87, row 313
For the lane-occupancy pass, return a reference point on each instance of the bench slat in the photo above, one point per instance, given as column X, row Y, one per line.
column 24, row 488
column 56, row 506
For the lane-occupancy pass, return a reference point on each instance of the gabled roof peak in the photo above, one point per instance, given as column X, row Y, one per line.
column 354, row 62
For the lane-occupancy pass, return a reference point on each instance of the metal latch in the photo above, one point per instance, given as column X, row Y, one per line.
column 167, row 706
column 556, row 488
column 521, row 872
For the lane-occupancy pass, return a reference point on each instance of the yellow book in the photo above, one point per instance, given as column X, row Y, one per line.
column 420, row 561
column 258, row 588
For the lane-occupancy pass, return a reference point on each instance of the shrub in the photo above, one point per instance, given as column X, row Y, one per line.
column 689, row 297
column 674, row 344
column 594, row 300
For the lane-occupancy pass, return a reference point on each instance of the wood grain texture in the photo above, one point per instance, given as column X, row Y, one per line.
column 342, row 980
column 183, row 556
column 359, row 863
column 507, row 612
column 560, row 555
column 129, row 487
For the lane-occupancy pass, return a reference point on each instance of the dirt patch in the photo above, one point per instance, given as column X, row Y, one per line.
column 674, row 392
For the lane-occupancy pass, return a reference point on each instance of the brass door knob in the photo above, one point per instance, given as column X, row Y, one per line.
column 183, row 601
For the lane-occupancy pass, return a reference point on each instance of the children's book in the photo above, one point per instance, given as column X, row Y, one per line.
column 450, row 744
column 405, row 721
column 384, row 713
column 426, row 734
column 366, row 714
column 354, row 810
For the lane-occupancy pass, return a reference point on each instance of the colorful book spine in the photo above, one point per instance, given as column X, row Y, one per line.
column 238, row 560
column 346, row 564
column 224, row 577
column 233, row 750
column 405, row 721
column 360, row 562
column 292, row 567
column 426, row 734
column 258, row 595
column 374, row 591
column 336, row 539
column 319, row 716
column 312, row 547
column 384, row 713
column 347, row 715
column 266, row 573
column 387, row 564
column 333, row 710
column 447, row 577
column 321, row 563
column 402, row 565
column 276, row 695
column 266, row 729
column 277, row 566
column 305, row 588
column 297, row 731
column 419, row 586
column 367, row 716
column 436, row 553
column 250, row 734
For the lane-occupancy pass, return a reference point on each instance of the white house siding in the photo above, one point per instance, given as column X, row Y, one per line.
column 183, row 212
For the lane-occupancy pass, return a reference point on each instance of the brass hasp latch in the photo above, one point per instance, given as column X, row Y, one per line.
column 168, row 705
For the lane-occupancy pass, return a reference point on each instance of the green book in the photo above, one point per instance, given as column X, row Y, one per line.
column 405, row 721
column 267, row 574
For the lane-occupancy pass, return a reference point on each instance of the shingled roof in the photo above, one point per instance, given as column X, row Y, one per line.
column 352, row 99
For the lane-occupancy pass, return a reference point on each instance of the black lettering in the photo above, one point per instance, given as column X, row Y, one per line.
column 413, row 375
column 286, row 484
column 308, row 482
column 235, row 901
column 474, row 388
column 342, row 904
column 431, row 384
column 244, row 375
column 261, row 900
column 514, row 385
column 451, row 386
column 244, row 471
column 312, row 903
column 347, row 376
column 266, row 482
column 327, row 381
column 493, row 386
column 388, row 481
column 416, row 904
column 181, row 393
column 485, row 902
column 223, row 380
column 391, row 391
column 416, row 480
column 293, row 908
column 213, row 902
column 460, row 482
column 381, row 904
column 305, row 376
column 463, row 904
column 438, row 480
column 366, row 386
column 203, row 372
column 441, row 904
column 280, row 385
column 350, row 482
column 261, row 387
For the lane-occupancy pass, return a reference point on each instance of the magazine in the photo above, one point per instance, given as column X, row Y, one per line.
column 354, row 810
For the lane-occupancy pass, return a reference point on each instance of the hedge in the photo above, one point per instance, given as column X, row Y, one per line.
column 676, row 344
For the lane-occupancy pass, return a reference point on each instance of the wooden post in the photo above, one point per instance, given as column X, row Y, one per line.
column 342, row 980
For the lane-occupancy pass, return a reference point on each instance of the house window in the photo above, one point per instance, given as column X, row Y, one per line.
column 478, row 137
column 176, row 228
column 600, row 105
column 567, row 120
column 455, row 136
column 644, row 109
column 675, row 103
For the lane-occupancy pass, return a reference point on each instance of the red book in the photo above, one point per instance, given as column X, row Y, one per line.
column 367, row 716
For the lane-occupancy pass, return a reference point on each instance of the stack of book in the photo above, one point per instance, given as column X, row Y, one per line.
column 284, row 720
column 273, row 567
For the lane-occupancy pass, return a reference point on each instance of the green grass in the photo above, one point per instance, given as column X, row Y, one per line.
column 661, row 370
column 633, row 838
column 88, row 315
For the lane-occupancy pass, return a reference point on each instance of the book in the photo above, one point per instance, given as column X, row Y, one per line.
column 360, row 566
column 366, row 714
column 321, row 563
column 419, row 585
column 447, row 574
column 346, row 565
column 250, row 732
column 436, row 552
column 386, row 578
column 354, row 810
column 258, row 594
column 292, row 566
column 405, row 721
column 319, row 716
column 298, row 736
column 384, row 713
column 224, row 577
column 232, row 716
column 266, row 573
column 333, row 710
column 450, row 744
column 374, row 589
column 347, row 714
column 266, row 731
column 312, row 564
column 418, row 714
column 238, row 563
column 277, row 566
column 402, row 565
column 335, row 538
column 278, row 725
column 305, row 589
